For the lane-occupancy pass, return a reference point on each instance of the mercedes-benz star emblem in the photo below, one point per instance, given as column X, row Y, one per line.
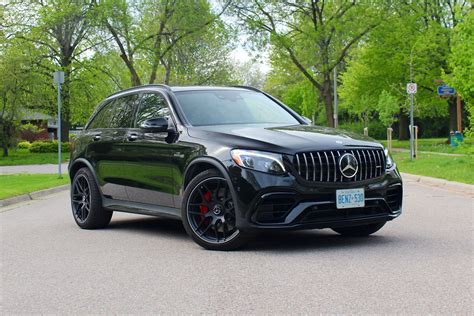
column 348, row 165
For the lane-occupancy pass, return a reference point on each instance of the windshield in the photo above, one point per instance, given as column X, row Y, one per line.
column 221, row 107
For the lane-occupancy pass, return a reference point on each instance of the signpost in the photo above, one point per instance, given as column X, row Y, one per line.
column 411, row 90
column 58, row 79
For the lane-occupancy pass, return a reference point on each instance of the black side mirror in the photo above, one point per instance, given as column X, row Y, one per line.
column 155, row 125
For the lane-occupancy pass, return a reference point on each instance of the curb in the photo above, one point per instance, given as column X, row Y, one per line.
column 440, row 183
column 33, row 195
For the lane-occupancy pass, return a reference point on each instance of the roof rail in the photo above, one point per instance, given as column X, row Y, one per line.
column 248, row 88
column 166, row 87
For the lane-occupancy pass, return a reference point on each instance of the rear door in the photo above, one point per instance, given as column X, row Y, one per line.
column 148, row 169
column 107, row 132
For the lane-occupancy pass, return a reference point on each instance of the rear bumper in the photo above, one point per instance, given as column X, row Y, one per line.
column 268, row 202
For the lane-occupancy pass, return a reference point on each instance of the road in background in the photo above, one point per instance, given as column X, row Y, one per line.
column 419, row 263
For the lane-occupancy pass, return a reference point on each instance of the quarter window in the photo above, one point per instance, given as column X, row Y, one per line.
column 152, row 106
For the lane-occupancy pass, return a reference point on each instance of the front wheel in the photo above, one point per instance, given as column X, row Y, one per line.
column 208, row 213
column 359, row 231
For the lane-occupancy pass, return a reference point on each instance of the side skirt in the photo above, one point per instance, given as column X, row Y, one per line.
column 140, row 208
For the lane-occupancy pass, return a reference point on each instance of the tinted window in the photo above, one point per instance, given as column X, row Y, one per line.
column 152, row 105
column 116, row 114
column 122, row 111
column 219, row 107
column 102, row 119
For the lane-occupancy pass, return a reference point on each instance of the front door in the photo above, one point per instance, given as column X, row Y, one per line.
column 148, row 165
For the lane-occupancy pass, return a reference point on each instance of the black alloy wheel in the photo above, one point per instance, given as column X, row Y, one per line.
column 86, row 201
column 209, row 212
column 81, row 198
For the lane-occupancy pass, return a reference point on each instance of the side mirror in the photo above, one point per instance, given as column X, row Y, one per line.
column 307, row 120
column 156, row 125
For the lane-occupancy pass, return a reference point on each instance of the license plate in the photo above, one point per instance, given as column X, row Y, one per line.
column 350, row 198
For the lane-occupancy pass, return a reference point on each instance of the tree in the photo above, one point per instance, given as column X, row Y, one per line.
column 151, row 30
column 315, row 36
column 461, row 61
column 62, row 30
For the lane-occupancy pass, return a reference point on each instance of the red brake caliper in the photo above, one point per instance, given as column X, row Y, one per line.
column 203, row 209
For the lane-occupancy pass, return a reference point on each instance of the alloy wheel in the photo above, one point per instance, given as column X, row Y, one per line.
column 211, row 212
column 81, row 198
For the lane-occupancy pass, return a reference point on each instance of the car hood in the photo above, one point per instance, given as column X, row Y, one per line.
column 283, row 139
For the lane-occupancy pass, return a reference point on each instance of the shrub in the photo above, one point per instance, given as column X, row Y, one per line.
column 31, row 132
column 24, row 145
column 48, row 147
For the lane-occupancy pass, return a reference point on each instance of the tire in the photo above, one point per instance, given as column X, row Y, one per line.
column 208, row 213
column 86, row 202
column 359, row 231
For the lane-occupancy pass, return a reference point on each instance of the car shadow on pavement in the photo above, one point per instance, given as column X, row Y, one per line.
column 151, row 225
column 286, row 241
column 321, row 240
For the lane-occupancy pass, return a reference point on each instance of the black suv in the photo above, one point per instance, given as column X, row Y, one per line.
column 227, row 161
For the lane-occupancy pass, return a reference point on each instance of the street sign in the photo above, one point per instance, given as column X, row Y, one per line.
column 411, row 88
column 445, row 90
column 58, row 77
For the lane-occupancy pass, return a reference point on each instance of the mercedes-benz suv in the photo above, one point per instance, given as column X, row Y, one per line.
column 228, row 162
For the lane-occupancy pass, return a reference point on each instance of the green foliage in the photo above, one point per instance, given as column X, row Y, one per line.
column 461, row 61
column 48, row 147
column 24, row 145
column 387, row 108
column 376, row 128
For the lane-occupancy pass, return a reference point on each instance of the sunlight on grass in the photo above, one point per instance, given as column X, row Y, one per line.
column 17, row 184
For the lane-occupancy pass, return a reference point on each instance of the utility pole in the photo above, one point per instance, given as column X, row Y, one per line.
column 411, row 89
column 58, row 79
column 335, row 98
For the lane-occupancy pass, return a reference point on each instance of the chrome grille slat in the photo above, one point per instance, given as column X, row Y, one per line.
column 323, row 166
column 306, row 164
column 314, row 166
column 327, row 164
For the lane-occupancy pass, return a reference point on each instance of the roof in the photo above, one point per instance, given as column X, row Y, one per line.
column 182, row 88
column 35, row 116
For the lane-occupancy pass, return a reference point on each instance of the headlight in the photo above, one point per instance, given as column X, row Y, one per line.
column 389, row 160
column 258, row 160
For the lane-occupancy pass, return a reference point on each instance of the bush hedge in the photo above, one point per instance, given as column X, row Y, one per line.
column 24, row 145
column 48, row 147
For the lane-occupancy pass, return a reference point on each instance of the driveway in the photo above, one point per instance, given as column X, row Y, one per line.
column 420, row 263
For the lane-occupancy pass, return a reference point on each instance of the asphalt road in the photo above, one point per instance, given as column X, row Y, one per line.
column 419, row 263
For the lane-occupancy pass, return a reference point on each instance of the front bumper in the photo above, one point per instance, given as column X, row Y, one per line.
column 286, row 202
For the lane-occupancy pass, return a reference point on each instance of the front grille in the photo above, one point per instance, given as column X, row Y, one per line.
column 323, row 166
column 273, row 209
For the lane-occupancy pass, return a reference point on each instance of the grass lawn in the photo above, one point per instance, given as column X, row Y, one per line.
column 16, row 184
column 436, row 145
column 459, row 169
column 24, row 157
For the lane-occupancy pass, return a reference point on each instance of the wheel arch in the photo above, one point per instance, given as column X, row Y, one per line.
column 201, row 164
column 82, row 163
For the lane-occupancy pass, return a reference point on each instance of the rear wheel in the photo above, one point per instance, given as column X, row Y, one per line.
column 86, row 202
column 359, row 231
column 208, row 213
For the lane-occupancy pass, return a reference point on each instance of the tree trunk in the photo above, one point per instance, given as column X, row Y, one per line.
column 452, row 114
column 5, row 151
column 403, row 126
column 327, row 99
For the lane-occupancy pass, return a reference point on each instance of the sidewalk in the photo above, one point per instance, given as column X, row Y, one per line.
column 404, row 150
column 46, row 168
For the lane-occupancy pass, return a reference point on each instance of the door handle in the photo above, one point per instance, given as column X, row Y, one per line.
column 96, row 137
column 132, row 136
